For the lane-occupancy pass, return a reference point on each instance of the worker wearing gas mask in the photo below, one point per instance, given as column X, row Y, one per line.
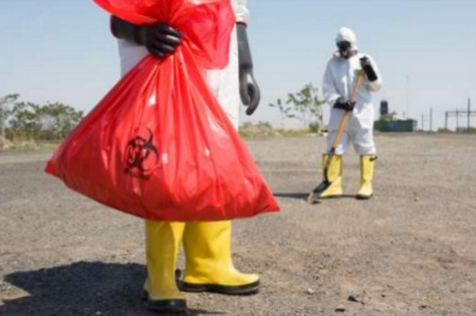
column 339, row 79
column 207, row 245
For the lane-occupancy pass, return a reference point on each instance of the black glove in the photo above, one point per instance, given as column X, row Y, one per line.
column 249, row 90
column 344, row 105
column 160, row 39
column 367, row 67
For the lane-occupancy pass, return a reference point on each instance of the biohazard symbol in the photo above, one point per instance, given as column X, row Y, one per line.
column 140, row 152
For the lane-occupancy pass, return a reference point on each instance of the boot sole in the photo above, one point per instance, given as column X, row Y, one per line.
column 363, row 197
column 167, row 307
column 246, row 289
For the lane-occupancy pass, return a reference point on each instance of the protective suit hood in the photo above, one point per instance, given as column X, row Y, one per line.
column 346, row 34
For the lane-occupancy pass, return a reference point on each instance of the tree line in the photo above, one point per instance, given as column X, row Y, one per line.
column 23, row 120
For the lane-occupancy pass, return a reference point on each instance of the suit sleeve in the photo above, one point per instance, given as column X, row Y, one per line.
column 328, row 86
column 241, row 11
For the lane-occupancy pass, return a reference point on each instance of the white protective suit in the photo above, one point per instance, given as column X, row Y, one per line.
column 224, row 83
column 339, row 79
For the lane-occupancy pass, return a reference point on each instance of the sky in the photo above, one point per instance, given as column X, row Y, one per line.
column 62, row 50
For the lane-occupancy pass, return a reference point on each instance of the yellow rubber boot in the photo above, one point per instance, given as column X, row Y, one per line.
column 162, row 242
column 366, row 176
column 335, row 177
column 209, row 267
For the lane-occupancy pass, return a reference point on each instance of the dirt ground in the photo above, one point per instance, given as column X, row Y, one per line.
column 408, row 251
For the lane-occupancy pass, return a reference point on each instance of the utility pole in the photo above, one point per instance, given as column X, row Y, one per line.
column 469, row 113
column 457, row 120
column 2, row 128
column 422, row 120
column 431, row 119
column 407, row 96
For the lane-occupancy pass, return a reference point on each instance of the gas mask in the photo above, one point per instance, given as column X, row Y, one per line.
column 344, row 49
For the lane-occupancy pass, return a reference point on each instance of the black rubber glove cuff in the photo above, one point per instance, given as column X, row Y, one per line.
column 245, row 61
column 125, row 30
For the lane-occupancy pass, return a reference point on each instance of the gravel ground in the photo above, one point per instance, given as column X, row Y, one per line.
column 407, row 251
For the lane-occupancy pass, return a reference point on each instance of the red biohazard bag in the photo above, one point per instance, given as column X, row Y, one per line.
column 158, row 145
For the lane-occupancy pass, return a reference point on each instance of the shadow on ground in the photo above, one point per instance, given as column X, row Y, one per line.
column 292, row 195
column 82, row 288
column 305, row 195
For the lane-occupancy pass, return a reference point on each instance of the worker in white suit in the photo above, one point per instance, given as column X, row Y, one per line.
column 207, row 245
column 339, row 79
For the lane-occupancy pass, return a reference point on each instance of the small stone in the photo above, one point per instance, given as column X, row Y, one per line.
column 310, row 291
column 339, row 309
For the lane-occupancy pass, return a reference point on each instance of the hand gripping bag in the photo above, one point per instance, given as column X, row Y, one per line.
column 158, row 145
